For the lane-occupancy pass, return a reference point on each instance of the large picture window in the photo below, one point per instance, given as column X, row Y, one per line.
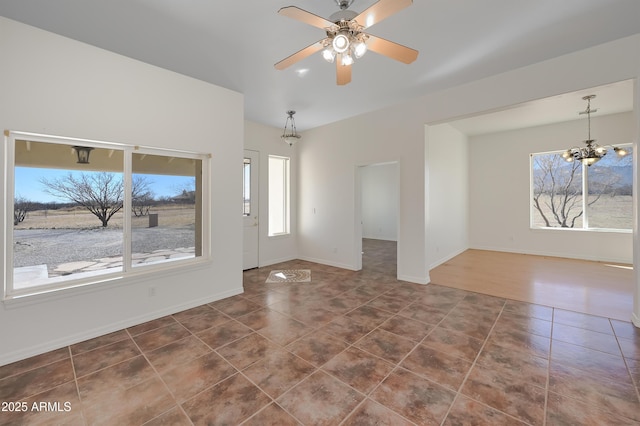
column 573, row 195
column 87, row 211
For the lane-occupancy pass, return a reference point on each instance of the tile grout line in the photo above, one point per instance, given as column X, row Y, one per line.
column 75, row 381
column 473, row 364
column 626, row 363
column 159, row 377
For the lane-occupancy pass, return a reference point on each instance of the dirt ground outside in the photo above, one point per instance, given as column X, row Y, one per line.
column 57, row 237
column 80, row 218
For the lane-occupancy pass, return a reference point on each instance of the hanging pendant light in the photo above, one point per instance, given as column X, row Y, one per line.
column 592, row 152
column 290, row 135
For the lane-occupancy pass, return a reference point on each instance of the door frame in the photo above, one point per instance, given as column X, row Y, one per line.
column 358, row 213
column 254, row 215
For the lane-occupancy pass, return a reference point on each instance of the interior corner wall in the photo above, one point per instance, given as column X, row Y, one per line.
column 58, row 86
column 447, row 193
column 267, row 141
column 379, row 186
column 500, row 191
column 329, row 157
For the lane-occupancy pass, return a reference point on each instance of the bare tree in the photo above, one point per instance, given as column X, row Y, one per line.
column 141, row 204
column 101, row 193
column 21, row 206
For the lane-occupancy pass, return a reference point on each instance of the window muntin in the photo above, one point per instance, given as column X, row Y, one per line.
column 279, row 195
column 59, row 239
column 558, row 187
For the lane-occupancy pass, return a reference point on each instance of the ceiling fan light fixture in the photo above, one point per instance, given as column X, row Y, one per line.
column 359, row 49
column 346, row 60
column 340, row 43
column 329, row 55
column 346, row 39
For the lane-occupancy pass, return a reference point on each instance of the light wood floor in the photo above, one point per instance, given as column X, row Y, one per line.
column 595, row 288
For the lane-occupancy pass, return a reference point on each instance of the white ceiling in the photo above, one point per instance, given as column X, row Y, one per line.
column 234, row 44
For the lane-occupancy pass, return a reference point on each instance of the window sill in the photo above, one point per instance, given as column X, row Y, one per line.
column 280, row 235
column 89, row 284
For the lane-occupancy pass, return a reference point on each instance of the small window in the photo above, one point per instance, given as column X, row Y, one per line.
column 559, row 188
column 278, row 195
column 79, row 217
column 246, row 187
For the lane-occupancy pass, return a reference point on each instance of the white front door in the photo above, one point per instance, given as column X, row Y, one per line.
column 250, row 178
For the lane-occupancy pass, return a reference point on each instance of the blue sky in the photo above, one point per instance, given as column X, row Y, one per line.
column 28, row 186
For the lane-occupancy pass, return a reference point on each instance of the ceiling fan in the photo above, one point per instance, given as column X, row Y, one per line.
column 346, row 39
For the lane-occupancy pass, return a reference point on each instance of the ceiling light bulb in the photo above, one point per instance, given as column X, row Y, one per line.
column 590, row 160
column 329, row 55
column 568, row 157
column 346, row 60
column 621, row 151
column 600, row 150
column 359, row 49
column 340, row 43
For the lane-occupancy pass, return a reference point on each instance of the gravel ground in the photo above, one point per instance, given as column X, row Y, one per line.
column 57, row 246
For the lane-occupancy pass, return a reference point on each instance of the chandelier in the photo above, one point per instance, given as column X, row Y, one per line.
column 592, row 152
column 290, row 135
column 346, row 38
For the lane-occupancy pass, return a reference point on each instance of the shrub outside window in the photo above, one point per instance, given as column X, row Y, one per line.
column 79, row 221
column 558, row 191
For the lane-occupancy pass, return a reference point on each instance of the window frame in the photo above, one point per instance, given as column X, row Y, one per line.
column 286, row 190
column 584, row 183
column 10, row 293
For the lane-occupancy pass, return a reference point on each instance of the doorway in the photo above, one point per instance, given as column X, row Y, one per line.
column 377, row 215
column 250, row 209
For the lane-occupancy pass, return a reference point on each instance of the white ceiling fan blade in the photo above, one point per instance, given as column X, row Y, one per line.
column 306, row 17
column 343, row 72
column 300, row 55
column 392, row 50
column 380, row 10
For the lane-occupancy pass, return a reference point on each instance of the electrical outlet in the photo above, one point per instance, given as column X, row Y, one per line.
column 152, row 291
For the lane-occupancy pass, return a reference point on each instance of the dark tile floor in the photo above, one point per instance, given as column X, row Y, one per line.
column 351, row 348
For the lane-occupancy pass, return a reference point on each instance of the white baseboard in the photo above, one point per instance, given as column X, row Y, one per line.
column 416, row 280
column 553, row 254
column 8, row 358
column 328, row 263
column 447, row 258
column 270, row 262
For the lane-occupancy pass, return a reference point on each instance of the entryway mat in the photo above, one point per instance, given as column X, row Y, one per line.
column 289, row 276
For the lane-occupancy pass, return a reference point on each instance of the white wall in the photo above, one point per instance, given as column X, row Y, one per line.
column 57, row 86
column 500, row 198
column 266, row 140
column 448, row 193
column 379, row 190
column 329, row 153
column 329, row 157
